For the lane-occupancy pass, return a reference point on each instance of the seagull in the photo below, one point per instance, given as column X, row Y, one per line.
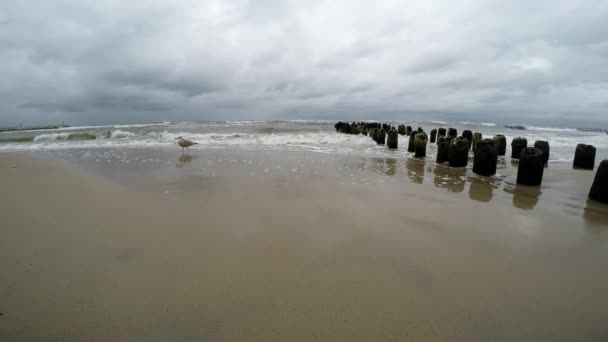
column 184, row 143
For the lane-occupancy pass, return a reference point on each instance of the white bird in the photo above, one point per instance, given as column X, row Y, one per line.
column 184, row 143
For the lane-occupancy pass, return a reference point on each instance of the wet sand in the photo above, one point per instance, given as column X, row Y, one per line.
column 225, row 246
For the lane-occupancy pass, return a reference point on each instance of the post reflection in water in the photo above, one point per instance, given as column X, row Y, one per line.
column 451, row 178
column 378, row 165
column 183, row 160
column 524, row 197
column 391, row 166
column 481, row 189
column 359, row 164
column 415, row 170
column 501, row 163
column 596, row 213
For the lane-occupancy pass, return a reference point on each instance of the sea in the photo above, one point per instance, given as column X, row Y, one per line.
column 317, row 136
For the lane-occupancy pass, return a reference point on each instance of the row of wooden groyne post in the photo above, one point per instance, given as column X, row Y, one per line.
column 454, row 150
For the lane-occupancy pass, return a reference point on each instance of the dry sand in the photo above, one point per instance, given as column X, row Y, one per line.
column 83, row 258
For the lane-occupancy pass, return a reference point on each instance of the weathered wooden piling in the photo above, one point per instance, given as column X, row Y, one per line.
column 433, row 136
column 377, row 134
column 411, row 147
column 443, row 150
column 449, row 139
column 408, row 130
column 544, row 147
column 420, row 130
column 381, row 137
column 584, row 157
column 469, row 136
column 477, row 137
column 531, row 167
column 459, row 152
column 401, row 130
column 501, row 144
column 441, row 132
column 343, row 127
column 393, row 138
column 486, row 158
column 420, row 141
column 452, row 133
column 518, row 145
column 599, row 189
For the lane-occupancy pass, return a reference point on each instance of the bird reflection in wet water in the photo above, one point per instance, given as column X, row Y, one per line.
column 183, row 160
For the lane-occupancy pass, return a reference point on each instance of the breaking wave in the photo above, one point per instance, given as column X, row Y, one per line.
column 550, row 129
column 543, row 129
column 65, row 136
column 244, row 122
column 108, row 134
column 164, row 123
column 117, row 134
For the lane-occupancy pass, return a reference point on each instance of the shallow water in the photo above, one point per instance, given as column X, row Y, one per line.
column 156, row 170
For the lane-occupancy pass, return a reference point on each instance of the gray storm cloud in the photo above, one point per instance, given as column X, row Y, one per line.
column 117, row 61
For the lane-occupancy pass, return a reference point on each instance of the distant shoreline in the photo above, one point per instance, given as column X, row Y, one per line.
column 33, row 128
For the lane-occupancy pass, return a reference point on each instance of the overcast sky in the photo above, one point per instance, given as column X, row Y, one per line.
column 110, row 61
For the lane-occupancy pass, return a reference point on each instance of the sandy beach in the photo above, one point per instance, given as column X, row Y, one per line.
column 229, row 170
column 201, row 249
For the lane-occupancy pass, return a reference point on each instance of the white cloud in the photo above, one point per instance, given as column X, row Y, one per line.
column 81, row 61
column 534, row 64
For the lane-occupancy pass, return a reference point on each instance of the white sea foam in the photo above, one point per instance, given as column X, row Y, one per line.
column 438, row 122
column 488, row 124
column 242, row 139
